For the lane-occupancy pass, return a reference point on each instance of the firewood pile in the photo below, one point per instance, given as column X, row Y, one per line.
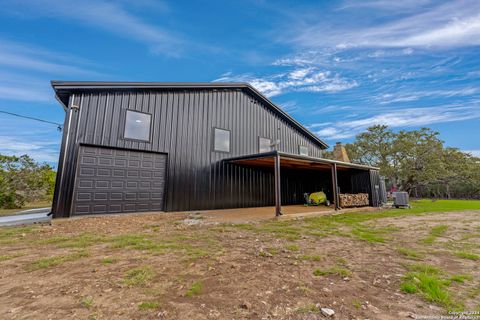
column 353, row 200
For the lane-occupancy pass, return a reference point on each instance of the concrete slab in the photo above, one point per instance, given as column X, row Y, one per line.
column 26, row 217
column 243, row 215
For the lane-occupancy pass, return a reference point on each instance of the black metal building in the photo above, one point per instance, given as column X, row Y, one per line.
column 187, row 146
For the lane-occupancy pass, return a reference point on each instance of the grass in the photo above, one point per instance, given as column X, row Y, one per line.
column 292, row 247
column 6, row 257
column 467, row 255
column 195, row 289
column 191, row 249
column 109, row 260
column 10, row 235
column 140, row 276
column 310, row 257
column 431, row 283
column 87, row 302
column 80, row 241
column 336, row 270
column 308, row 308
column 369, row 234
column 149, row 305
column 461, row 278
column 44, row 263
column 31, row 205
column 435, row 232
column 409, row 253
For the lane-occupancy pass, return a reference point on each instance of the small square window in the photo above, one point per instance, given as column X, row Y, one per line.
column 303, row 150
column 264, row 145
column 221, row 140
column 137, row 126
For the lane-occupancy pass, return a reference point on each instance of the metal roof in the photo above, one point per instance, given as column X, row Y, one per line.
column 305, row 159
column 63, row 89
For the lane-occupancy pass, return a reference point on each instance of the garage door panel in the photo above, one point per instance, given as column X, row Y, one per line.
column 115, row 181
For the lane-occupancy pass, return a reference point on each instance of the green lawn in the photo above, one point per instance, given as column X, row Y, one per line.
column 427, row 205
column 33, row 205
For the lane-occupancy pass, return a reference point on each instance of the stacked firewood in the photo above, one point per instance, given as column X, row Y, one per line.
column 353, row 200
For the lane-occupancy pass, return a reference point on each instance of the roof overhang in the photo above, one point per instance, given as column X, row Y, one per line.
column 63, row 90
column 295, row 161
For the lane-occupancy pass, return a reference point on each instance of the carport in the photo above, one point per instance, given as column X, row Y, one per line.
column 299, row 173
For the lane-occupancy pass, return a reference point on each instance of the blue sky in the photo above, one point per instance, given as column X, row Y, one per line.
column 336, row 66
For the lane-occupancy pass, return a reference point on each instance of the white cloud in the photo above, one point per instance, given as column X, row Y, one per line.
column 451, row 24
column 297, row 80
column 405, row 117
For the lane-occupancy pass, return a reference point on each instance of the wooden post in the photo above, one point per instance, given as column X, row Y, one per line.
column 336, row 197
column 278, row 191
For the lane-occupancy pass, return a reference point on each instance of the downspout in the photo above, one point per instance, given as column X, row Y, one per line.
column 67, row 136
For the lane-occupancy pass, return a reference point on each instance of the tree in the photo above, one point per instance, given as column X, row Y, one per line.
column 23, row 180
column 417, row 161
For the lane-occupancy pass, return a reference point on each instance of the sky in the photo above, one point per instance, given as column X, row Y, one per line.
column 337, row 67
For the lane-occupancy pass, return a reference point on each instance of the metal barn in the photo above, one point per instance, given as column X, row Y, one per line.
column 130, row 146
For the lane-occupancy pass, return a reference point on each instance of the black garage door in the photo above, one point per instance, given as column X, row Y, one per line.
column 111, row 181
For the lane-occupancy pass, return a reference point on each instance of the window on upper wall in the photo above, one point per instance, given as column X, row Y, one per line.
column 303, row 150
column 137, row 125
column 264, row 144
column 221, row 140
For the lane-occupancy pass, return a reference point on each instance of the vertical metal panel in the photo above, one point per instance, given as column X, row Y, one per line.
column 375, row 187
column 182, row 126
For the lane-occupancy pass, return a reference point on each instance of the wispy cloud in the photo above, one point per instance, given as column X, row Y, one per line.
column 297, row 80
column 444, row 25
column 405, row 117
column 388, row 98
column 33, row 58
column 25, row 71
column 113, row 17
column 42, row 151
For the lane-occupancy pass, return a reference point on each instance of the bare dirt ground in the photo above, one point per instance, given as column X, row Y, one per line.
column 157, row 266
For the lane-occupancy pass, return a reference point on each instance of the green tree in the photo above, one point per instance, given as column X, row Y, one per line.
column 417, row 161
column 23, row 180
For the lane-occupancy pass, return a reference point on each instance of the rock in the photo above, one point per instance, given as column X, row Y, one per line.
column 327, row 312
column 162, row 314
column 346, row 279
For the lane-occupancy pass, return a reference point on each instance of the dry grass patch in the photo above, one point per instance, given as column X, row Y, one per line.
column 140, row 276
column 57, row 260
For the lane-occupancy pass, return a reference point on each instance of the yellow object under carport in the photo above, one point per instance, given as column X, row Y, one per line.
column 317, row 198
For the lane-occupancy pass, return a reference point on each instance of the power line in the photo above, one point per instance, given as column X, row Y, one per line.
column 59, row 125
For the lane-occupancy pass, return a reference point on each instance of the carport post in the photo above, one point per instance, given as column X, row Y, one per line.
column 278, row 192
column 336, row 198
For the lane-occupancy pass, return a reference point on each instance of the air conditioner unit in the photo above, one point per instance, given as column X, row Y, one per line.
column 400, row 199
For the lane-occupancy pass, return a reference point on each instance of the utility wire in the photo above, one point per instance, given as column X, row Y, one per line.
column 59, row 125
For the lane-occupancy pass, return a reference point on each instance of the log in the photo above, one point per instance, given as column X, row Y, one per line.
column 354, row 200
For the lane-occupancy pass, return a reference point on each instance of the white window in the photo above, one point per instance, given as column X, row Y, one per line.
column 264, row 145
column 137, row 125
column 303, row 150
column 221, row 140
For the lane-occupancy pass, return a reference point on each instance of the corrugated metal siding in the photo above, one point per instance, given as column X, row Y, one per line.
column 375, row 187
column 183, row 122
